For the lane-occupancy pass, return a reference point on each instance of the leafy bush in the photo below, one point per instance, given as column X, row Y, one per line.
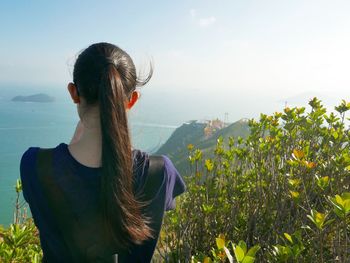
column 284, row 188
column 20, row 241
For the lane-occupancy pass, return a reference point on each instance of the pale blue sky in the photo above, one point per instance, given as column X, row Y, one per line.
column 253, row 49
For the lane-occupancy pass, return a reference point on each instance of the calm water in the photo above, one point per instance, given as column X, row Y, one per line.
column 46, row 125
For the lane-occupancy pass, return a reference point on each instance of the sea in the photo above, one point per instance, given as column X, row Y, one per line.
column 26, row 124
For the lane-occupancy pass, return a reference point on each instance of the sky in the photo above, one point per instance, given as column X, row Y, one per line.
column 242, row 55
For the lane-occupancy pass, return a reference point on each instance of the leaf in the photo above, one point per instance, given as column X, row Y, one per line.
column 339, row 200
column 322, row 182
column 298, row 154
column 190, row 147
column 310, row 165
column 325, row 179
column 207, row 260
column 341, row 204
column 209, row 165
column 222, row 236
column 335, row 135
column 294, row 182
column 208, row 208
column 338, row 212
column 288, row 237
column 239, row 253
column 328, row 222
column 220, row 243
column 292, row 163
column 253, row 250
column 243, row 245
column 347, row 206
column 294, row 194
column 248, row 259
column 18, row 186
column 317, row 218
column 320, row 217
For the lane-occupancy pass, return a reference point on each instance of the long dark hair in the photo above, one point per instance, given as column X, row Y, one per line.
column 106, row 75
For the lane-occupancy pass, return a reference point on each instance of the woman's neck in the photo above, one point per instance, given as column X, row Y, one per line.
column 88, row 148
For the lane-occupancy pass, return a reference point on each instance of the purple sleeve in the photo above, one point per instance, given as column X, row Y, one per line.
column 175, row 185
column 26, row 172
column 30, row 187
column 50, row 238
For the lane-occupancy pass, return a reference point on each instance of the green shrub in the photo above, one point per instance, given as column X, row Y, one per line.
column 291, row 175
column 20, row 241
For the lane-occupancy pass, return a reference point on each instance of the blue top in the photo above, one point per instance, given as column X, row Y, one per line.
column 84, row 198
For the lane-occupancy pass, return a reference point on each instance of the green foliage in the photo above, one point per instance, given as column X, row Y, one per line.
column 20, row 241
column 291, row 250
column 341, row 205
column 319, row 219
column 291, row 175
column 222, row 252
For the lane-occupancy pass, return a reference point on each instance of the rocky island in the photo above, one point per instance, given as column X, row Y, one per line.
column 40, row 97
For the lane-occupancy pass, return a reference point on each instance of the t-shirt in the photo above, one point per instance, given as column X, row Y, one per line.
column 82, row 192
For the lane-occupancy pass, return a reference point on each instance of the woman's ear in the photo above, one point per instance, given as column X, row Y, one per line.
column 133, row 98
column 73, row 92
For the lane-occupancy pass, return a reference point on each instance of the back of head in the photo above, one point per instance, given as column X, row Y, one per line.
column 105, row 75
column 92, row 65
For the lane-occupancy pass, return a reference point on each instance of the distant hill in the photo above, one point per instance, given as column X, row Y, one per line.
column 193, row 132
column 40, row 97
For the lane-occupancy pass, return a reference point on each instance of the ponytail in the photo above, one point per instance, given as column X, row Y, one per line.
column 106, row 75
column 122, row 215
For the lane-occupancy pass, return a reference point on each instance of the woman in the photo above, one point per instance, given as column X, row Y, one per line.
column 97, row 196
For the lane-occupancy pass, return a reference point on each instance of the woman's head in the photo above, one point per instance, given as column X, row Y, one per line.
column 90, row 68
column 105, row 77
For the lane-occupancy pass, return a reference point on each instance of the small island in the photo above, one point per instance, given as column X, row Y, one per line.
column 40, row 97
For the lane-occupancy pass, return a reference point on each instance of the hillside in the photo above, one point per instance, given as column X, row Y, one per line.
column 193, row 132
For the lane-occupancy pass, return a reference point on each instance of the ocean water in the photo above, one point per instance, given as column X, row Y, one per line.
column 26, row 124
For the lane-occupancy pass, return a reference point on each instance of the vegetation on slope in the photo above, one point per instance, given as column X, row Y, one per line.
column 284, row 188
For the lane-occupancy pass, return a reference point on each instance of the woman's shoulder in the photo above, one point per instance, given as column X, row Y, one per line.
column 172, row 184
column 28, row 167
column 27, row 172
column 28, row 158
column 142, row 160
